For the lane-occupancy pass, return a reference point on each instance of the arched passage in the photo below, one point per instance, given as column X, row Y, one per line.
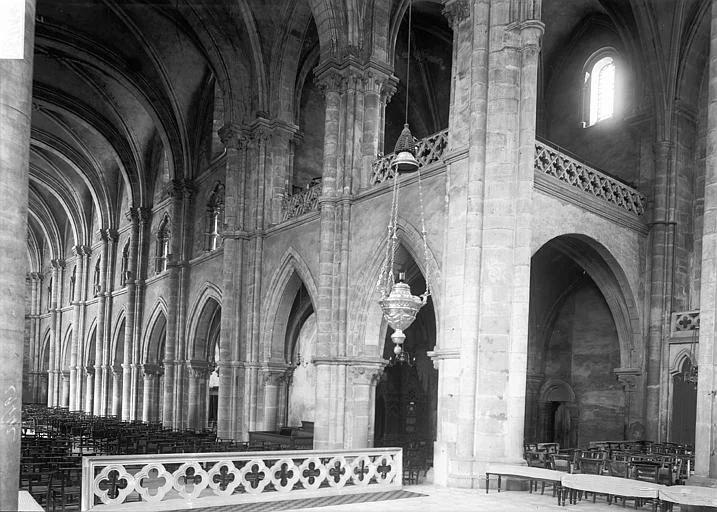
column 203, row 393
column 152, row 368
column 407, row 394
column 581, row 329
column 116, row 367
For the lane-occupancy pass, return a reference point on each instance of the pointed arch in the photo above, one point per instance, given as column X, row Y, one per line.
column 679, row 359
column 201, row 318
column 366, row 321
column 66, row 348
column 118, row 339
column 154, row 331
column 90, row 345
column 291, row 273
column 611, row 280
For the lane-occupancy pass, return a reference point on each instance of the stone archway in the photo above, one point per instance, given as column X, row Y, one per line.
column 406, row 400
column 581, row 334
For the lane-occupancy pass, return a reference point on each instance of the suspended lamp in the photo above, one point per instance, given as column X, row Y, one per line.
column 398, row 304
column 405, row 149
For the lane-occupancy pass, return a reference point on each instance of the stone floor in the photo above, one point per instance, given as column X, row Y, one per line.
column 423, row 498
column 440, row 499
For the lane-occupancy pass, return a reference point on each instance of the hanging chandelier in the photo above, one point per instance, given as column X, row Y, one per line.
column 399, row 305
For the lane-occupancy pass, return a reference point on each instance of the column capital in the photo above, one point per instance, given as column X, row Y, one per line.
column 628, row 378
column 89, row 371
column 456, row 11
column 35, row 276
column 109, row 235
column 57, row 263
column 233, row 136
column 152, row 369
column 367, row 373
column 199, row 369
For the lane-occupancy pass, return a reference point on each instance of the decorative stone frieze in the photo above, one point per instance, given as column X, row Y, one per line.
column 152, row 370
column 686, row 321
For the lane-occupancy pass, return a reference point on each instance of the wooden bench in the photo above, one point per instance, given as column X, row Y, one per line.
column 532, row 474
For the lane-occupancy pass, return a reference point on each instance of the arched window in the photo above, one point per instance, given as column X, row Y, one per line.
column 124, row 265
column 162, row 249
column 215, row 210
column 600, row 87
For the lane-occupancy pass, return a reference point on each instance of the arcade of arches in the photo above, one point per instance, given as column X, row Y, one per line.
column 195, row 218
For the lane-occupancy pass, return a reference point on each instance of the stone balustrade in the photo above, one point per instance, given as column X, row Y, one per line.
column 210, row 479
column 552, row 162
column 549, row 161
column 428, row 151
column 302, row 202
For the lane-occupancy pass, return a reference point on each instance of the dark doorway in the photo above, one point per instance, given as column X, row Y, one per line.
column 684, row 406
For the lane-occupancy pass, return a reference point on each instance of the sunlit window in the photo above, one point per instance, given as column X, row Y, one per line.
column 599, row 89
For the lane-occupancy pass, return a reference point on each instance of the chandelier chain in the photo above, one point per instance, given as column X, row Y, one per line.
column 427, row 293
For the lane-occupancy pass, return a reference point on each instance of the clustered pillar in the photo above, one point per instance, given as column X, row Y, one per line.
column 15, row 108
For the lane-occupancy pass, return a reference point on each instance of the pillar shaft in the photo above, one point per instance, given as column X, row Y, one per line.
column 133, row 216
column 705, row 431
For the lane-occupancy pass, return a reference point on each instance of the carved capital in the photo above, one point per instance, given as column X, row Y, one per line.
column 331, row 80
column 456, row 11
column 199, row 369
column 367, row 374
column 35, row 276
column 89, row 371
column 116, row 370
column 152, row 370
column 57, row 263
column 109, row 235
column 629, row 378
column 132, row 215
column 232, row 136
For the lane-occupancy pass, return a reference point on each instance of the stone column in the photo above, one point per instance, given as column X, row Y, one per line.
column 364, row 377
column 81, row 389
column 116, row 390
column 171, row 397
column 198, row 372
column 64, row 389
column 98, row 399
column 143, row 236
column 231, row 398
column 89, row 386
column 107, row 358
column 53, row 393
column 133, row 216
column 662, row 236
column 491, row 146
column 630, row 379
column 151, row 373
column 74, row 404
column 15, row 113
column 272, row 379
column 706, row 431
